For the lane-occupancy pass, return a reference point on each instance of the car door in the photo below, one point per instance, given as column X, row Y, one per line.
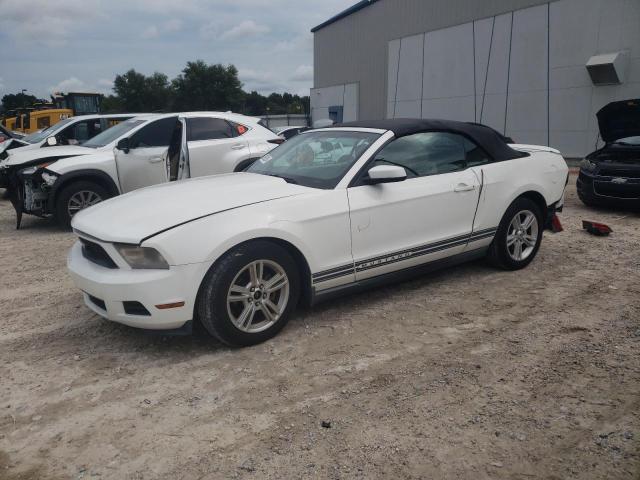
column 424, row 218
column 143, row 163
column 215, row 145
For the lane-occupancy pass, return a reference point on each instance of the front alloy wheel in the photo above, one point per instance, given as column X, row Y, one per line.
column 81, row 200
column 77, row 196
column 249, row 294
column 258, row 295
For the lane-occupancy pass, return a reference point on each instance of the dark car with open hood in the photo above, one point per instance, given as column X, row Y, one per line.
column 610, row 176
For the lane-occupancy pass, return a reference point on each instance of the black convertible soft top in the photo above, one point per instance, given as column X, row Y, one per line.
column 494, row 143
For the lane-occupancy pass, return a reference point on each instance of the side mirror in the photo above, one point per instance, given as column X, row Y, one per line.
column 385, row 174
column 52, row 141
column 123, row 145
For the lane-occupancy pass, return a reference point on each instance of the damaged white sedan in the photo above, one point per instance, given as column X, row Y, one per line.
column 329, row 211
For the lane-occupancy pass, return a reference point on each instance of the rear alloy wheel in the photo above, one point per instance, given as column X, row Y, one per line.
column 522, row 235
column 519, row 235
column 249, row 294
column 76, row 197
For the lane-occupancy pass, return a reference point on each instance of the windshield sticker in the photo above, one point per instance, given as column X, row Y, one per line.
column 266, row 158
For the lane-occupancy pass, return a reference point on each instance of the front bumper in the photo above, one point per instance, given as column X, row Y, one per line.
column 608, row 190
column 105, row 290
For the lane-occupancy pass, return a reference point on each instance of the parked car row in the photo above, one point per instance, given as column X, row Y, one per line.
column 329, row 211
column 141, row 150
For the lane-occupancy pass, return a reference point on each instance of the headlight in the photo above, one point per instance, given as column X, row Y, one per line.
column 140, row 258
column 49, row 177
column 588, row 165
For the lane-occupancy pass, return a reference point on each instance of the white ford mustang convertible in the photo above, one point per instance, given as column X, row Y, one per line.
column 329, row 211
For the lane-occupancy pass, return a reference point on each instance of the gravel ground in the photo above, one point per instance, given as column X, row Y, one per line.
column 467, row 373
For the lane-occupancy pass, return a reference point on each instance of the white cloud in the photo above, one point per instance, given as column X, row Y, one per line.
column 71, row 84
column 304, row 73
column 105, row 86
column 46, row 22
column 174, row 25
column 153, row 31
column 247, row 28
column 74, row 84
column 150, row 32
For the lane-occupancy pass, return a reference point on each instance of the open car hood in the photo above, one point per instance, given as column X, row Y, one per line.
column 143, row 213
column 619, row 120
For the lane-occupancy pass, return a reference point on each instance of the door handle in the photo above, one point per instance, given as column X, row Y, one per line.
column 155, row 159
column 463, row 187
column 238, row 147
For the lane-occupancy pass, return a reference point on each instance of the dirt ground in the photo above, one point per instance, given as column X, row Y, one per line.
column 468, row 373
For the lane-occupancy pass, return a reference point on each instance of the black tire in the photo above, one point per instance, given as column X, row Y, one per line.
column 62, row 213
column 499, row 254
column 586, row 201
column 211, row 305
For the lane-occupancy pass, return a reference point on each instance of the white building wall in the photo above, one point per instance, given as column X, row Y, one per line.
column 522, row 73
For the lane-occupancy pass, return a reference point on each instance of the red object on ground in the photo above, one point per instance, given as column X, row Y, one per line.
column 596, row 228
column 556, row 226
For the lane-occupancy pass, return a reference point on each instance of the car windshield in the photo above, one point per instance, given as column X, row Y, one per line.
column 635, row 141
column 112, row 134
column 315, row 159
column 37, row 137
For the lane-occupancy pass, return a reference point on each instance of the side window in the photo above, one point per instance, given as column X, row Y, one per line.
column 208, row 129
column 423, row 154
column 475, row 155
column 156, row 134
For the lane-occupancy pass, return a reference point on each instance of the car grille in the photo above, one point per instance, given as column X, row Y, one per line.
column 96, row 254
column 624, row 173
column 617, row 190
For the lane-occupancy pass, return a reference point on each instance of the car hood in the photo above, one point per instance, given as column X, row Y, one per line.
column 619, row 120
column 18, row 157
column 141, row 214
column 13, row 142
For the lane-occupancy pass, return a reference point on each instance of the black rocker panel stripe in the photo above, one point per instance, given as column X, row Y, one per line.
column 407, row 254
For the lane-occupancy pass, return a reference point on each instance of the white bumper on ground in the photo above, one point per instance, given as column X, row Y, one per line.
column 112, row 287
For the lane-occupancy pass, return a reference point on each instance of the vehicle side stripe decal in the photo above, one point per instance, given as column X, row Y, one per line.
column 395, row 257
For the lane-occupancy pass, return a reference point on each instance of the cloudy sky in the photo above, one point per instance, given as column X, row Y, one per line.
column 80, row 45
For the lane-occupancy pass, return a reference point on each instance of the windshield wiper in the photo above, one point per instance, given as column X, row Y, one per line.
column 286, row 179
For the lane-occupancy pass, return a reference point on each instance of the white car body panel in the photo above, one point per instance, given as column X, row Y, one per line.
column 140, row 167
column 207, row 195
column 212, row 157
column 345, row 234
column 20, row 156
column 381, row 227
column 100, row 159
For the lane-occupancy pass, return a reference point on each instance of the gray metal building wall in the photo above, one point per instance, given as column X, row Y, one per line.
column 518, row 66
column 354, row 49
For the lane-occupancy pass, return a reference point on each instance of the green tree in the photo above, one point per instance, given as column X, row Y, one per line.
column 208, row 87
column 139, row 93
column 12, row 101
column 111, row 104
column 255, row 104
